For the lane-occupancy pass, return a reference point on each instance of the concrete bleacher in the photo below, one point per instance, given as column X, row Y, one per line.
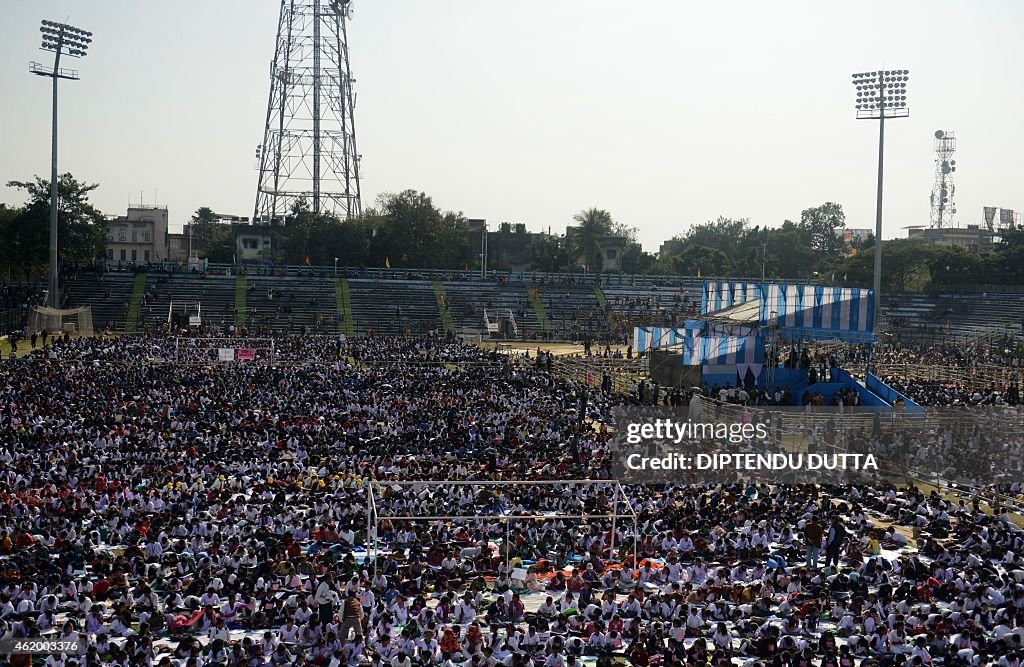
column 394, row 306
column 960, row 315
column 572, row 312
column 311, row 301
column 108, row 294
column 467, row 301
column 571, row 307
column 214, row 296
column 385, row 304
column 654, row 305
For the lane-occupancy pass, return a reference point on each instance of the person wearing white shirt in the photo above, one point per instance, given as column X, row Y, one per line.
column 303, row 613
column 694, row 621
column 289, row 632
column 210, row 598
column 630, row 607
column 219, row 631
column 268, row 644
column 426, row 646
column 326, row 599
column 385, row 648
column 465, row 613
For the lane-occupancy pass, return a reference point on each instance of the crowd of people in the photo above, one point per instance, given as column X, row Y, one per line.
column 967, row 354
column 167, row 513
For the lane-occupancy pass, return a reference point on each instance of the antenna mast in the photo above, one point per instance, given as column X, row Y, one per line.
column 943, row 206
column 309, row 140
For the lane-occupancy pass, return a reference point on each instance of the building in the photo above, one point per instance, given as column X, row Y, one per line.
column 253, row 243
column 247, row 243
column 610, row 248
column 974, row 238
column 510, row 247
column 140, row 237
column 178, row 247
column 855, row 235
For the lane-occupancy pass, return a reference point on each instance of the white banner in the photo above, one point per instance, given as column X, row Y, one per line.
column 226, row 354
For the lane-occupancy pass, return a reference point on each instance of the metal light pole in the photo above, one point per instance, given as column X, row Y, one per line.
column 483, row 252
column 62, row 39
column 880, row 95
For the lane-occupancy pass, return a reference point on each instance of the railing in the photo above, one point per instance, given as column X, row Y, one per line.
column 980, row 376
column 382, row 273
column 492, row 327
column 12, row 319
column 589, row 370
column 794, row 427
column 940, row 335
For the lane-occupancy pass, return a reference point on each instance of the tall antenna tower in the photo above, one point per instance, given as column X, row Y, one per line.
column 943, row 206
column 309, row 142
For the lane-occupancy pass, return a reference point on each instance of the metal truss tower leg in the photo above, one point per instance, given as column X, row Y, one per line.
column 308, row 156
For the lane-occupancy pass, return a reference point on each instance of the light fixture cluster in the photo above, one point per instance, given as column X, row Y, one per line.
column 66, row 39
column 886, row 89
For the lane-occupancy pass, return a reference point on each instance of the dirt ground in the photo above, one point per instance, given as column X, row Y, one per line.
column 557, row 349
column 25, row 345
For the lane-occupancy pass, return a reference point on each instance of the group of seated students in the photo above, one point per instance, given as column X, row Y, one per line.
column 159, row 513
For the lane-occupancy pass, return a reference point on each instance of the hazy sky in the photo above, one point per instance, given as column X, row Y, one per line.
column 665, row 112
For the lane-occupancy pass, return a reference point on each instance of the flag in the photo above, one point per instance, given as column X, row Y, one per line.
column 270, row 263
column 170, row 309
column 387, row 262
column 307, row 261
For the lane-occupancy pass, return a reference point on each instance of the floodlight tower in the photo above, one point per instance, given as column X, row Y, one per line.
column 881, row 95
column 943, row 207
column 68, row 40
column 309, row 140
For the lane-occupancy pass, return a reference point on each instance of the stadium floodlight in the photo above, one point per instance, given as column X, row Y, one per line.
column 881, row 95
column 67, row 40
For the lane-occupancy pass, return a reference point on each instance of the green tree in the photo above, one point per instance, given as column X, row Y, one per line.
column 413, row 233
column 905, row 266
column 702, row 260
column 723, row 234
column 548, row 254
column 953, row 264
column 592, row 225
column 220, row 244
column 1006, row 264
column 822, row 224
column 203, row 225
column 81, row 231
column 788, row 253
column 9, row 250
column 635, row 260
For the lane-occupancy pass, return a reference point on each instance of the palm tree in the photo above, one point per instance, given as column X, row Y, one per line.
column 592, row 225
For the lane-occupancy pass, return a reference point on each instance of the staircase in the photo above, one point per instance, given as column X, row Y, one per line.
column 345, row 324
column 442, row 306
column 138, row 291
column 538, row 308
column 241, row 284
column 601, row 300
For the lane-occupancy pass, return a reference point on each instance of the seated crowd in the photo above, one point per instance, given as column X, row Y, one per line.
column 220, row 514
